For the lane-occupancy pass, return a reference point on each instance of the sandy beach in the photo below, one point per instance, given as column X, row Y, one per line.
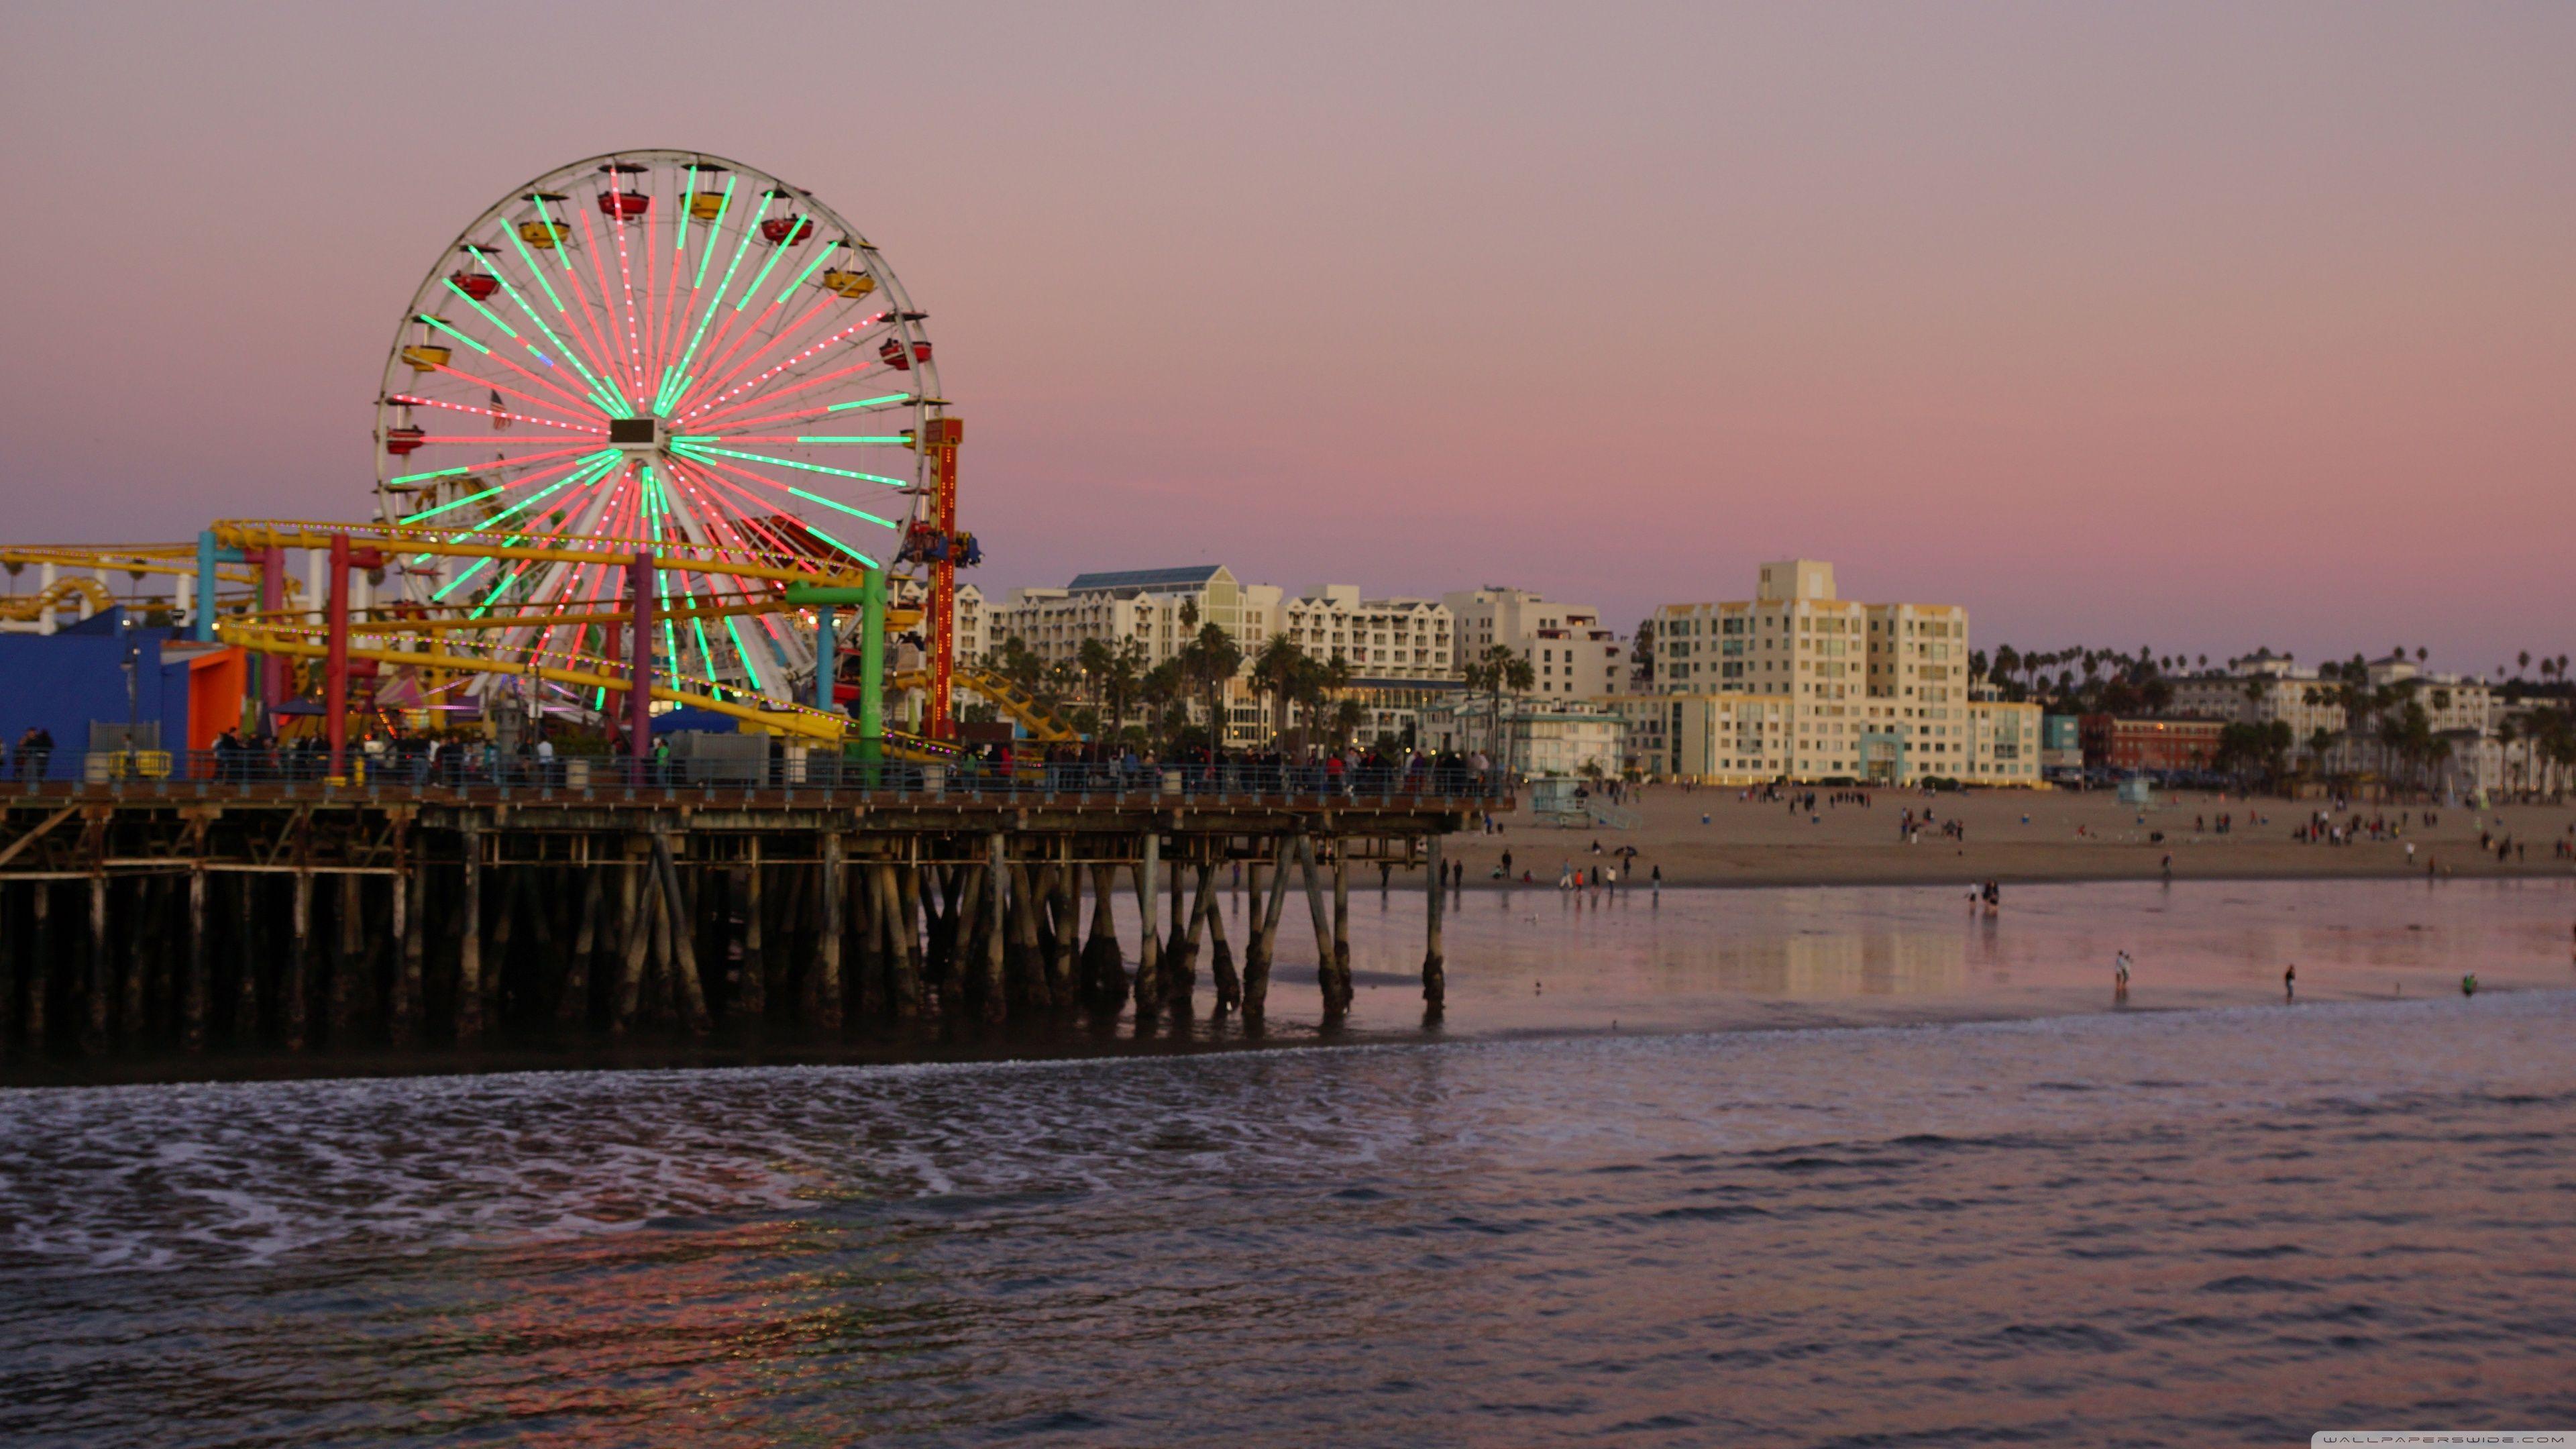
column 2011, row 835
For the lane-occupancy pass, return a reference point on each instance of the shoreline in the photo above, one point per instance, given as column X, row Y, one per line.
column 1726, row 978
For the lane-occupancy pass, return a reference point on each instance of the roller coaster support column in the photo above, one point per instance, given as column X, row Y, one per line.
column 201, row 615
column 272, row 667
column 944, row 434
column 639, row 691
column 827, row 649
column 335, row 662
column 872, row 634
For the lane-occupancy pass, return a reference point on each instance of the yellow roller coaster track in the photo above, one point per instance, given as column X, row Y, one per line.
column 771, row 565
column 303, row 641
column 1042, row 723
column 60, row 596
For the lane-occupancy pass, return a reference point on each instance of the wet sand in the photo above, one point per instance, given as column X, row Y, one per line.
column 2067, row 836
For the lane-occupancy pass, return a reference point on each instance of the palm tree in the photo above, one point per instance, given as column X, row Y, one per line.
column 1493, row 673
column 1163, row 686
column 1209, row 662
column 1276, row 669
column 1348, row 716
column 1118, row 679
column 1093, row 659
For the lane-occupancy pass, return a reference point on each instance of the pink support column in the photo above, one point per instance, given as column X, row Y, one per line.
column 639, row 694
column 272, row 602
column 335, row 663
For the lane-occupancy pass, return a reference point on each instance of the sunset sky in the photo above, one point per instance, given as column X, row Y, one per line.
column 2200, row 327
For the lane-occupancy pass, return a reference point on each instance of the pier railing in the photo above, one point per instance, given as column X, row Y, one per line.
column 474, row 773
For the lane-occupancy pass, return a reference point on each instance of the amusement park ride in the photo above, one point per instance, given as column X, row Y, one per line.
column 656, row 426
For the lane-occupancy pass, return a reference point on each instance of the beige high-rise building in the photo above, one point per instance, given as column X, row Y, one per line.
column 1874, row 692
column 1570, row 654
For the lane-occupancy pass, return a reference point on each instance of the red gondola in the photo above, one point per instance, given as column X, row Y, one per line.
column 624, row 205
column 477, row 285
column 901, row 361
column 782, row 231
column 404, row 441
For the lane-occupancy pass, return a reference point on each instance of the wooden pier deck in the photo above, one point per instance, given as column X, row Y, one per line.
column 181, row 915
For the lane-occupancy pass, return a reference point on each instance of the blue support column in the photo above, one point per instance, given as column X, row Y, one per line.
column 827, row 648
column 202, row 627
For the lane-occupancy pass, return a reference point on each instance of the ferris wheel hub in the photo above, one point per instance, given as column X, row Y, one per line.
column 645, row 437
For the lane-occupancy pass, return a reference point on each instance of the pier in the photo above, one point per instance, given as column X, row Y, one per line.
column 219, row 907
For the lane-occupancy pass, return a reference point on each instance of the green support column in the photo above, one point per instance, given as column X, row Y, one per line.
column 872, row 640
column 871, row 599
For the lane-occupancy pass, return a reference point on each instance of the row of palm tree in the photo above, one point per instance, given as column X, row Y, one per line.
column 1112, row 682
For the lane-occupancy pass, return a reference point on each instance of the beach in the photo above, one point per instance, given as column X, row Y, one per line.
column 2012, row 836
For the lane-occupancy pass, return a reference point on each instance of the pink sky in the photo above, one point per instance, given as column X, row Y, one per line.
column 2197, row 327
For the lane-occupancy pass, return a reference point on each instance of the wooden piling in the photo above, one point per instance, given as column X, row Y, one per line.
column 246, row 1018
column 142, row 928
column 1342, row 919
column 94, row 1018
column 1264, row 933
column 895, row 940
column 40, row 961
column 410, row 929
column 684, row 946
column 295, row 979
column 348, row 954
column 1229, row 985
column 1029, row 989
column 572, row 1001
column 907, row 925
column 996, row 934
column 751, row 991
column 1104, row 965
column 1181, row 945
column 8, row 972
column 1063, row 986
column 192, row 1009
column 469, row 946
column 1334, row 1004
column 635, row 936
column 827, row 995
column 1435, row 983
column 1149, row 945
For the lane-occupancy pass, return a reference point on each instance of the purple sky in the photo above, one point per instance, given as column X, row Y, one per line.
column 2199, row 327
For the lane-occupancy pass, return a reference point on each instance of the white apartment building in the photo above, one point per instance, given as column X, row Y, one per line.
column 2262, row 687
column 1144, row 605
column 1530, row 736
column 1381, row 638
column 1571, row 656
column 1875, row 691
column 1751, row 739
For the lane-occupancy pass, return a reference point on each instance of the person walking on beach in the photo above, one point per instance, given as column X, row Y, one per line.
column 1659, row 885
column 2290, row 982
column 2120, row 976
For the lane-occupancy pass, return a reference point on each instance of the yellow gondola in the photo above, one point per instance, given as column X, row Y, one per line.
column 706, row 205
column 853, row 285
column 427, row 356
column 544, row 234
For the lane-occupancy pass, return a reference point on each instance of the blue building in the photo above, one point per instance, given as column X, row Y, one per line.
column 68, row 680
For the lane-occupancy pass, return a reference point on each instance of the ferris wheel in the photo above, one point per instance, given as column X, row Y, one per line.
column 668, row 347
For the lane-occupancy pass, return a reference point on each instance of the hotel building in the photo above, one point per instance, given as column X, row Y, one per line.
column 1798, row 683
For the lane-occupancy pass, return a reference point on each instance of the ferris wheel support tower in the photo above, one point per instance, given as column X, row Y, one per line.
column 943, row 435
